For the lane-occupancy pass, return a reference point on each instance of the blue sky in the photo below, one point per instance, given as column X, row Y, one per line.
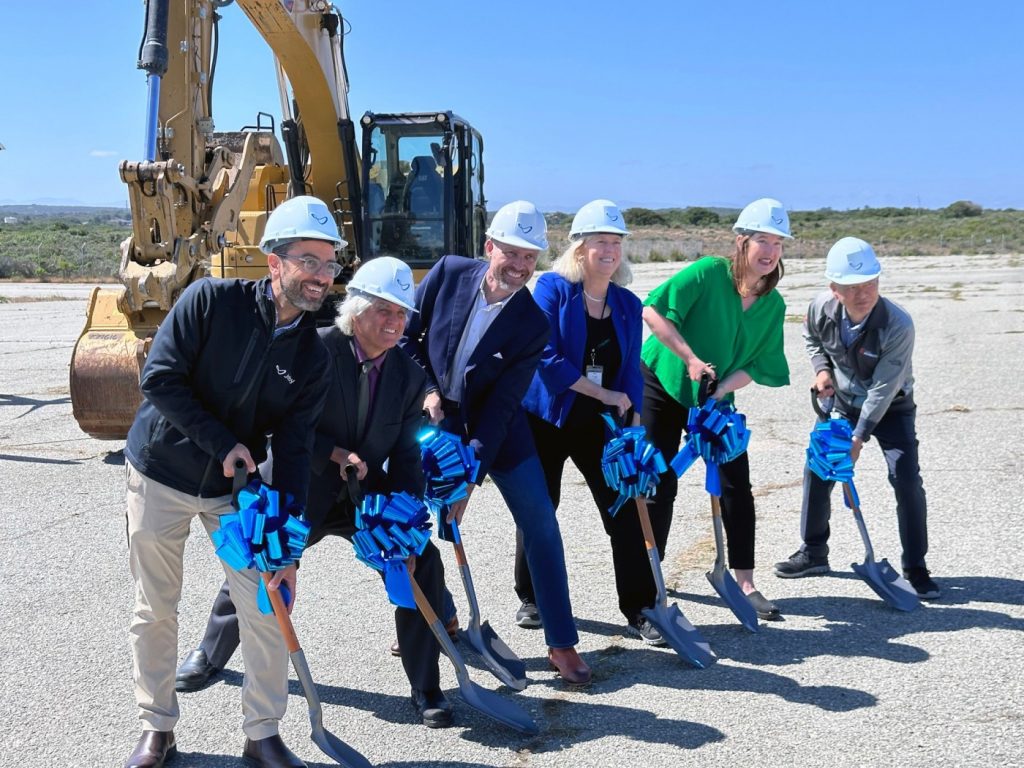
column 648, row 103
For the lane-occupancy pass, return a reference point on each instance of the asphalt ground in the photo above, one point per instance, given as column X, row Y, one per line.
column 842, row 681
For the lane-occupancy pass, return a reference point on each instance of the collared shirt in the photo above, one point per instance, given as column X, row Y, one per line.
column 481, row 316
column 373, row 373
column 278, row 330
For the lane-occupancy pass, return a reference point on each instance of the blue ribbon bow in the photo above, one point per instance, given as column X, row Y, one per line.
column 263, row 536
column 715, row 432
column 630, row 463
column 391, row 529
column 828, row 454
column 449, row 466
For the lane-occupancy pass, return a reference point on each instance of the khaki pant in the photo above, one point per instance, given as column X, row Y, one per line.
column 158, row 525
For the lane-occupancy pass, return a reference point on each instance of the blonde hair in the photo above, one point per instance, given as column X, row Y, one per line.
column 570, row 264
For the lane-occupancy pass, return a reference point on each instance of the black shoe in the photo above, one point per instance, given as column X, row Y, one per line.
column 766, row 609
column 153, row 750
column 801, row 564
column 922, row 583
column 433, row 707
column 641, row 627
column 195, row 672
column 528, row 616
column 270, row 752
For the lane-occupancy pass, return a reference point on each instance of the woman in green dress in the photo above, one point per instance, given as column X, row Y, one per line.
column 724, row 318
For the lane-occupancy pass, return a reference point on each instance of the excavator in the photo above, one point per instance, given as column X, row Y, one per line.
column 412, row 188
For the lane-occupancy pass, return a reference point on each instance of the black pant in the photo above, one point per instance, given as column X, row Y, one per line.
column 584, row 443
column 420, row 649
column 897, row 437
column 665, row 418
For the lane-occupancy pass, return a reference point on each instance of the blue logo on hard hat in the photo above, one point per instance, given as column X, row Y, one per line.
column 317, row 219
column 777, row 221
column 525, row 230
column 855, row 264
column 403, row 286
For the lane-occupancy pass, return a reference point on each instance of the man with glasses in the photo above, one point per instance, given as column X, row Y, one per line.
column 234, row 362
column 479, row 336
column 861, row 345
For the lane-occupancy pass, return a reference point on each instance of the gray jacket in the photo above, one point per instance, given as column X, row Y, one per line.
column 874, row 374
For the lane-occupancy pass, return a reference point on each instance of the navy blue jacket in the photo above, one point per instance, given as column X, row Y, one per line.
column 216, row 376
column 500, row 368
column 562, row 363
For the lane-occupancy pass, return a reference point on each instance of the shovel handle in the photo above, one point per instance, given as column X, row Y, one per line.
column 238, row 482
column 645, row 522
column 422, row 603
column 284, row 621
column 821, row 407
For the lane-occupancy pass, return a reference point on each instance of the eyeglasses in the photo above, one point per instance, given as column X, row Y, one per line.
column 313, row 266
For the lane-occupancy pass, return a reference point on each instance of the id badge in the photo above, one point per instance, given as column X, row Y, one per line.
column 595, row 373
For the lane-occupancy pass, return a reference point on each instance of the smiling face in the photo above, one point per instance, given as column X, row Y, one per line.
column 763, row 253
column 511, row 267
column 379, row 327
column 292, row 281
column 600, row 255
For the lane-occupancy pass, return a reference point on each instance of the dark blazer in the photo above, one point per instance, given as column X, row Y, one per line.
column 500, row 368
column 395, row 420
column 562, row 363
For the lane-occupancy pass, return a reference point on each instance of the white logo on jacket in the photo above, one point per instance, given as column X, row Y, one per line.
column 283, row 373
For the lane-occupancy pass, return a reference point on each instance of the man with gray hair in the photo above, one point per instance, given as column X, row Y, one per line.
column 372, row 416
column 861, row 345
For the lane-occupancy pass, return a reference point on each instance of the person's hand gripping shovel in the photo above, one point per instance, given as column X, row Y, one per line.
column 719, row 576
column 449, row 466
column 261, row 534
column 391, row 530
column 631, row 466
column 828, row 456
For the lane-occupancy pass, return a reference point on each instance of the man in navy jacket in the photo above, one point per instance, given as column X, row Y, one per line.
column 234, row 362
column 479, row 336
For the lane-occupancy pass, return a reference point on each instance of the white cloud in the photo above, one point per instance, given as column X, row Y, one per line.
column 102, row 153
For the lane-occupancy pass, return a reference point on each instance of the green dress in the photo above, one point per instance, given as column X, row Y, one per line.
column 702, row 303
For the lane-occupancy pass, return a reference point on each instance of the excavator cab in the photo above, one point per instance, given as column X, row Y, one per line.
column 422, row 187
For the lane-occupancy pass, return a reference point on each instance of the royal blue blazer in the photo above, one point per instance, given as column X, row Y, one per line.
column 562, row 364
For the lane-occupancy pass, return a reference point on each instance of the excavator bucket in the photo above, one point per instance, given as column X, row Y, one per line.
column 105, row 366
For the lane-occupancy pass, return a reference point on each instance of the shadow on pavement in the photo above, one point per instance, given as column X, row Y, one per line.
column 32, row 402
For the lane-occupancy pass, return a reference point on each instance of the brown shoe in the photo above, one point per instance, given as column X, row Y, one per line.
column 153, row 750
column 569, row 666
column 270, row 752
column 452, row 629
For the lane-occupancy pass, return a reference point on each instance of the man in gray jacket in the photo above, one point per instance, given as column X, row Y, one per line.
column 860, row 345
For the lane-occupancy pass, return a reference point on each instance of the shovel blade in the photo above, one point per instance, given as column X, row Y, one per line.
column 681, row 635
column 725, row 585
column 502, row 710
column 502, row 661
column 338, row 750
column 888, row 584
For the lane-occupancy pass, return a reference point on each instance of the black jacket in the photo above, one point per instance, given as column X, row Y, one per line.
column 394, row 420
column 215, row 377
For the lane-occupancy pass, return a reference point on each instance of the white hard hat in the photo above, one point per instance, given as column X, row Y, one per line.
column 519, row 224
column 598, row 216
column 300, row 218
column 764, row 215
column 851, row 261
column 386, row 278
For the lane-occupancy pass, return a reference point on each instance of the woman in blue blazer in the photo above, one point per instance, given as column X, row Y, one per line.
column 591, row 364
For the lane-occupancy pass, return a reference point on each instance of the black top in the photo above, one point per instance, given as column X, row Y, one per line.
column 601, row 348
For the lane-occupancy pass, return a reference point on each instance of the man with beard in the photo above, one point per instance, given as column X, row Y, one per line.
column 479, row 337
column 234, row 362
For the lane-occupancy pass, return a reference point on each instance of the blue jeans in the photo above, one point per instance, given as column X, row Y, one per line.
column 897, row 437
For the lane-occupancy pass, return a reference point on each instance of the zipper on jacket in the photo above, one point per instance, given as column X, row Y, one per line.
column 246, row 355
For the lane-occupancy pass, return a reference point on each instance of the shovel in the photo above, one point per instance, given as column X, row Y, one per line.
column 329, row 744
column 486, row 702
column 679, row 633
column 723, row 582
column 505, row 665
column 889, row 585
